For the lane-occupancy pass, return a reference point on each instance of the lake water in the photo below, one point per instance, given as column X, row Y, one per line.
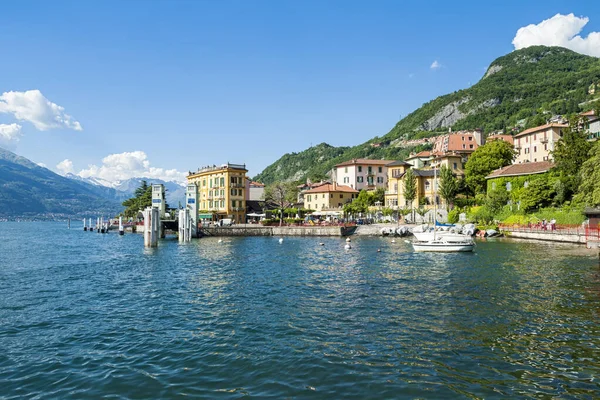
column 87, row 315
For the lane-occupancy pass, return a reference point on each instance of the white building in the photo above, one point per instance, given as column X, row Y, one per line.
column 362, row 174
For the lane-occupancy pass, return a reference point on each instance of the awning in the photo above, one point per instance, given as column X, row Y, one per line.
column 256, row 215
column 205, row 216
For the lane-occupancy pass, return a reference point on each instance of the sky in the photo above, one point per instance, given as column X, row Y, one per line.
column 120, row 89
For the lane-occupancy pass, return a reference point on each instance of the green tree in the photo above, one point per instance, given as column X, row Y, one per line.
column 569, row 155
column 484, row 160
column 284, row 194
column 589, row 189
column 538, row 194
column 379, row 196
column 410, row 188
column 141, row 200
column 448, row 186
column 497, row 199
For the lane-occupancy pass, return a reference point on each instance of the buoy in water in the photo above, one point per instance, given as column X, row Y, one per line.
column 321, row 244
column 348, row 240
column 379, row 250
column 280, row 240
column 393, row 240
column 220, row 241
column 347, row 247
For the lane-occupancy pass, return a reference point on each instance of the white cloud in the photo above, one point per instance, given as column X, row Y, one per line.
column 10, row 135
column 135, row 164
column 33, row 107
column 65, row 166
column 435, row 65
column 560, row 30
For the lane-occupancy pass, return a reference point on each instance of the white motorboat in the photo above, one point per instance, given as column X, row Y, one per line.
column 445, row 241
column 443, row 244
column 451, row 235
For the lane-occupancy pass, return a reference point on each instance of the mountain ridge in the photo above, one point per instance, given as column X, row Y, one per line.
column 517, row 91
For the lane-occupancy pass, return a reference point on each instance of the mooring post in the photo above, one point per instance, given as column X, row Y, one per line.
column 84, row 226
column 121, row 230
column 156, row 224
column 98, row 224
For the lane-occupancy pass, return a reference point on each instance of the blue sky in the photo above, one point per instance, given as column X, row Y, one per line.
column 191, row 83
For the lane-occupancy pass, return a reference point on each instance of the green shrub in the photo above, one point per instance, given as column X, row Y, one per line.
column 453, row 216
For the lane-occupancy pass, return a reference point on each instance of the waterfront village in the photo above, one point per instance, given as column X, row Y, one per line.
column 224, row 195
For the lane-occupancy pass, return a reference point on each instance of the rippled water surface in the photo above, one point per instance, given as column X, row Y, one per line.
column 86, row 315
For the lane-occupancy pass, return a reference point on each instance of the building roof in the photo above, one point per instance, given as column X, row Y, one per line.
column 522, row 169
column 541, row 128
column 399, row 164
column 257, row 184
column 364, row 161
column 331, row 188
column 313, row 184
column 424, row 172
column 506, row 138
column 424, row 153
column 588, row 113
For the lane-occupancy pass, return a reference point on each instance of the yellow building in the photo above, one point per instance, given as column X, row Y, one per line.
column 221, row 192
column 425, row 190
column 328, row 197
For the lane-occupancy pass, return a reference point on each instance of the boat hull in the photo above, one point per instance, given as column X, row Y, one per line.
column 441, row 247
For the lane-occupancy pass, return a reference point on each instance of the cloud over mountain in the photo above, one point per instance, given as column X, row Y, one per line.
column 9, row 135
column 33, row 107
column 560, row 30
column 121, row 166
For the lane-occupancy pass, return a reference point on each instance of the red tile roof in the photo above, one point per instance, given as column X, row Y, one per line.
column 364, row 161
column 590, row 113
column 522, row 169
column 541, row 128
column 331, row 188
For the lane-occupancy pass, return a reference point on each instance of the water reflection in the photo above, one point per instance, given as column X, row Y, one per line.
column 250, row 316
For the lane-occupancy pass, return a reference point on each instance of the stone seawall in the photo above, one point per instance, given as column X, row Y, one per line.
column 547, row 236
column 279, row 231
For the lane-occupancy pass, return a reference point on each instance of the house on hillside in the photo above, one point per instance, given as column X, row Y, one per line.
column 329, row 197
column 592, row 124
column 303, row 188
column 360, row 173
column 420, row 160
column 516, row 178
column 462, row 142
column 395, row 197
column 536, row 144
column 506, row 138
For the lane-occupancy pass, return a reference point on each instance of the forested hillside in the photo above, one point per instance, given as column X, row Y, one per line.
column 519, row 90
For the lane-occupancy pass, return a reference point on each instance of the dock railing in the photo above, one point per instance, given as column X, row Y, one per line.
column 559, row 229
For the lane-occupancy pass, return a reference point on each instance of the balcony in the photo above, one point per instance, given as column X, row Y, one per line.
column 544, row 140
column 238, row 185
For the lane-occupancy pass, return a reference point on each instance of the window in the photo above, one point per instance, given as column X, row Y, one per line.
column 380, row 179
column 341, row 196
column 210, row 182
column 359, row 179
column 535, row 149
column 380, row 169
column 222, row 181
column 346, row 169
column 526, row 139
column 508, row 186
column 463, row 138
column 493, row 185
column 526, row 184
column 545, row 147
column 222, row 203
column 470, row 146
column 203, row 182
column 534, row 136
column 323, row 195
column 427, row 185
column 233, row 203
column 359, row 168
column 454, row 166
column 464, row 146
column 370, row 169
column 322, row 206
column 308, row 197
